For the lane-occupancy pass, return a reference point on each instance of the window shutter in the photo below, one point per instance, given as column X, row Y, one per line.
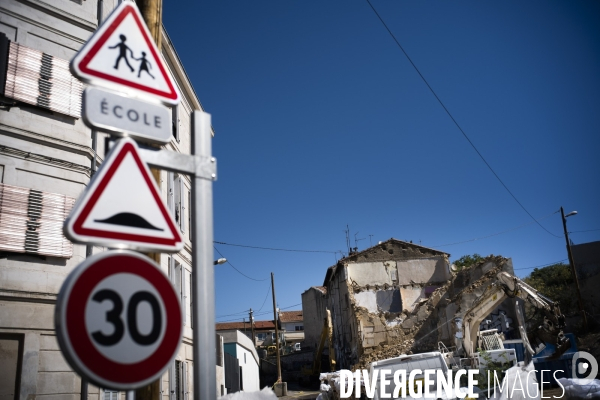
column 189, row 193
column 170, row 191
column 182, row 197
column 185, row 380
column 31, row 221
column 172, row 382
column 42, row 80
column 177, row 199
column 177, row 278
column 191, row 304
column 183, row 296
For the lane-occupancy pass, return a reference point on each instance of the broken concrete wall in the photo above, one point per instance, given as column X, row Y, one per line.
column 432, row 319
column 431, row 269
column 372, row 293
column 411, row 296
column 346, row 333
column 375, row 301
column 314, row 302
column 398, row 297
column 401, row 272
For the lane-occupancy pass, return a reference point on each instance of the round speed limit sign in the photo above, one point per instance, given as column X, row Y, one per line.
column 118, row 320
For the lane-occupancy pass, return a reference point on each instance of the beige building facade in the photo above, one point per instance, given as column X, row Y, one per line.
column 47, row 157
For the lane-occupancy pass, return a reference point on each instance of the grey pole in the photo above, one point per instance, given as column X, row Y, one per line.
column 573, row 270
column 203, row 280
column 275, row 319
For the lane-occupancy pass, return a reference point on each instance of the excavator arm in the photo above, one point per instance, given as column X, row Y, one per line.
column 506, row 286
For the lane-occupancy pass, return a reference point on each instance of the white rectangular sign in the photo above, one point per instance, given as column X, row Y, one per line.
column 126, row 116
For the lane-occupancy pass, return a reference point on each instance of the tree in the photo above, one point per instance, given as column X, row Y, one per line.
column 467, row 261
column 556, row 283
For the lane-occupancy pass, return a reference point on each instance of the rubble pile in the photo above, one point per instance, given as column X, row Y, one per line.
column 419, row 330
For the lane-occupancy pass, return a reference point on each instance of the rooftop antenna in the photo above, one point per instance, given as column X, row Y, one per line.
column 356, row 240
column 370, row 241
column 348, row 239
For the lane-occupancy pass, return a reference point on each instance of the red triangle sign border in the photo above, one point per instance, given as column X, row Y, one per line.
column 81, row 63
column 82, row 211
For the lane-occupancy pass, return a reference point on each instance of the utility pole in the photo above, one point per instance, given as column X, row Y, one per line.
column 573, row 270
column 275, row 319
column 252, row 327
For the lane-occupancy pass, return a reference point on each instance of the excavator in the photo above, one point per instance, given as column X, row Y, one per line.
column 468, row 338
column 314, row 370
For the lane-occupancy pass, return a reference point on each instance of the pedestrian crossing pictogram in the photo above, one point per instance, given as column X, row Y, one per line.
column 122, row 53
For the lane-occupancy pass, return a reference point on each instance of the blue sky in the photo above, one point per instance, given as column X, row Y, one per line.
column 322, row 122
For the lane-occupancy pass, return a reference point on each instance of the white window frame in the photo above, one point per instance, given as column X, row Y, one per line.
column 176, row 199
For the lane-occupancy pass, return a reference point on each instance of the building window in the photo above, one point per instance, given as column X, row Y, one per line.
column 177, row 195
column 175, row 120
column 110, row 395
column 191, row 302
column 189, row 214
column 299, row 327
column 179, row 278
column 261, row 336
column 178, row 385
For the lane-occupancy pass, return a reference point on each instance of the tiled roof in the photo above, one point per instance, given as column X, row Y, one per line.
column 226, row 326
column 290, row 316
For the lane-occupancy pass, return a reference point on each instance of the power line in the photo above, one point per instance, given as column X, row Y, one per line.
column 588, row 230
column 455, row 122
column 265, row 300
column 229, row 315
column 540, row 266
column 495, row 234
column 246, row 311
column 263, row 313
column 275, row 249
column 240, row 272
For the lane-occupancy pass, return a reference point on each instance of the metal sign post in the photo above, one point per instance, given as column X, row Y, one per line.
column 203, row 279
column 122, row 56
column 201, row 166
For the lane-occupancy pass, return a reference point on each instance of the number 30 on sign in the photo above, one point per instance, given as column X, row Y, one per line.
column 118, row 320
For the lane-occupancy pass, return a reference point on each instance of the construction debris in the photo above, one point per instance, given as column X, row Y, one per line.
column 409, row 335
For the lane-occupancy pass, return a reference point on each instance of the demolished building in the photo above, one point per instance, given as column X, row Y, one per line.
column 399, row 297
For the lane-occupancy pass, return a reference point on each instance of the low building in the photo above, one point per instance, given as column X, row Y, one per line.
column 292, row 325
column 264, row 331
column 241, row 363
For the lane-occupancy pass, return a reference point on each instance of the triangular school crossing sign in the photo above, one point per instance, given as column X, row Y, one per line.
column 122, row 55
column 122, row 207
